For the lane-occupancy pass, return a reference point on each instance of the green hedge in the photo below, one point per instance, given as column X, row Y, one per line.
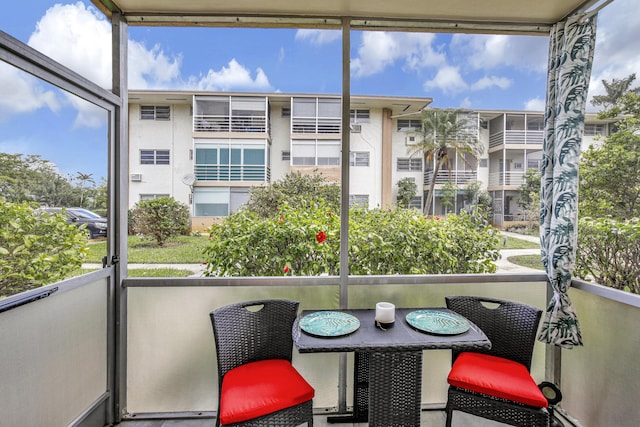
column 306, row 242
column 36, row 249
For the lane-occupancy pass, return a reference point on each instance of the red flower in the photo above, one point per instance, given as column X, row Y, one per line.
column 286, row 269
column 321, row 237
column 281, row 218
column 437, row 218
column 330, row 214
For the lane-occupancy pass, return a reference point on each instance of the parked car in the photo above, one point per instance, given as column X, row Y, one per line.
column 96, row 225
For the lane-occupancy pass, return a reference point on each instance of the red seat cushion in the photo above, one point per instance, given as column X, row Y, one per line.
column 496, row 376
column 260, row 388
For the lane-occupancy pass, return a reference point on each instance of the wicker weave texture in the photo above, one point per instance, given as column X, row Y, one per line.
column 252, row 331
column 512, row 328
column 395, row 399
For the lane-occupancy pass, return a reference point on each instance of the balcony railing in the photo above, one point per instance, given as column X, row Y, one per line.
column 232, row 173
column 56, row 360
column 223, row 123
column 317, row 125
column 516, row 137
column 506, row 178
column 456, row 177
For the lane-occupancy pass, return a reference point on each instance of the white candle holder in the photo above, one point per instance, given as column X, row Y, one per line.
column 385, row 315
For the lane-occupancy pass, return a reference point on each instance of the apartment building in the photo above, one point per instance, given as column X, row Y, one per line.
column 208, row 149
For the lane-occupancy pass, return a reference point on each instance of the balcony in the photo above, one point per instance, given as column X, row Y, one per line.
column 225, row 123
column 232, row 173
column 58, row 359
column 456, row 177
column 519, row 138
column 506, row 179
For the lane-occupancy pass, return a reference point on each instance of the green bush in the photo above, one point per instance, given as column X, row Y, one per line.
column 160, row 219
column 306, row 242
column 36, row 249
column 608, row 252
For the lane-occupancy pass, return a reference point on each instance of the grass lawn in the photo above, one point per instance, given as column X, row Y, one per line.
column 145, row 272
column 515, row 243
column 179, row 250
column 531, row 261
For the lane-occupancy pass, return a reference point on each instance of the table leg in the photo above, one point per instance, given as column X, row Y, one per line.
column 395, row 388
column 360, row 392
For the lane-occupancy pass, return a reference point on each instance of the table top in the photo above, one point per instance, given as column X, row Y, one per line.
column 401, row 337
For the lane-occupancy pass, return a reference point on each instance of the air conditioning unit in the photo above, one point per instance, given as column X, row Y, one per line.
column 136, row 177
column 356, row 128
column 410, row 139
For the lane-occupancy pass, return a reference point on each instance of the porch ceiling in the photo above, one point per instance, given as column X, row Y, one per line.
column 472, row 16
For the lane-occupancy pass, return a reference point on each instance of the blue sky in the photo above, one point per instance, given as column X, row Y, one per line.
column 467, row 71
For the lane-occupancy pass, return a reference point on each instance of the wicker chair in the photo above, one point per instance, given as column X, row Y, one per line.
column 496, row 384
column 257, row 384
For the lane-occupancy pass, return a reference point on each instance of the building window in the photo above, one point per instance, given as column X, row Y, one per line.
column 416, row 203
column 312, row 152
column 411, row 164
column 230, row 162
column 593, row 129
column 406, row 125
column 360, row 200
column 316, row 115
column 286, row 112
column 484, row 163
column 154, row 157
column 286, row 155
column 152, row 196
column 359, row 158
column 218, row 201
column 359, row 116
column 155, row 112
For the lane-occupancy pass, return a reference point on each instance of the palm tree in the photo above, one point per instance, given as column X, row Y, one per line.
column 445, row 135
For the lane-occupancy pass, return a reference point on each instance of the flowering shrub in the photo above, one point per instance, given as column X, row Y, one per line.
column 306, row 242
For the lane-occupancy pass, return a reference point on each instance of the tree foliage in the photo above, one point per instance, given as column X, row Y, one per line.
column 615, row 89
column 31, row 178
column 303, row 242
column 295, row 189
column 160, row 219
column 445, row 135
column 36, row 249
column 407, row 189
column 609, row 252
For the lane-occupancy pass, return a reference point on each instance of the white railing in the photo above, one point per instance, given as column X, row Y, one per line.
column 457, row 177
column 232, row 173
column 516, row 137
column 225, row 123
column 318, row 125
column 506, row 178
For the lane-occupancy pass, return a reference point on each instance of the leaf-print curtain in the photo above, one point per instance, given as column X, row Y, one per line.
column 571, row 46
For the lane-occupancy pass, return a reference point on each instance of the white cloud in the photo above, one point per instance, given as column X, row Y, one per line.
column 318, row 37
column 617, row 46
column 152, row 68
column 233, row 76
column 448, row 80
column 466, row 104
column 380, row 50
column 535, row 104
column 494, row 51
column 488, row 82
column 22, row 93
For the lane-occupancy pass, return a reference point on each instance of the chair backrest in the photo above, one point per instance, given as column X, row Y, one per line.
column 510, row 326
column 253, row 330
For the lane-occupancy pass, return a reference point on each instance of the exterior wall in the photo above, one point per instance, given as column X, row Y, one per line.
column 174, row 135
column 368, row 179
column 379, row 137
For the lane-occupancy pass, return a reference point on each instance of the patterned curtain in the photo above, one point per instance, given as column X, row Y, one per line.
column 571, row 46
